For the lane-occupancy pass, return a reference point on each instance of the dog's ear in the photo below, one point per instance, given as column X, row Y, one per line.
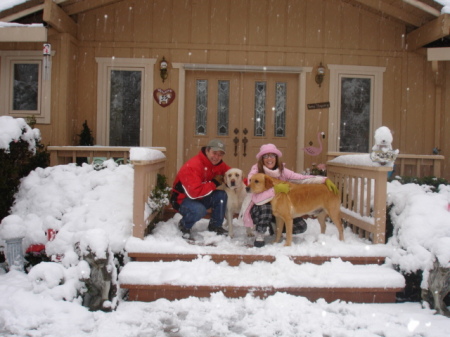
column 225, row 179
column 268, row 182
column 242, row 174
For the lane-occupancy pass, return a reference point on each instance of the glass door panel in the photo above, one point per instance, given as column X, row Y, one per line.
column 125, row 108
column 355, row 114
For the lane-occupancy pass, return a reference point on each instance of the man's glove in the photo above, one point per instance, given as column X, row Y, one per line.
column 217, row 180
column 282, row 188
column 331, row 186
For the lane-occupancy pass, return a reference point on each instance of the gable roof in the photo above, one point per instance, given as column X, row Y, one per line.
column 425, row 23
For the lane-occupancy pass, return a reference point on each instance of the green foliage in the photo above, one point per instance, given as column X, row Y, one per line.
column 34, row 258
column 430, row 181
column 16, row 164
column 158, row 199
column 412, row 291
column 86, row 138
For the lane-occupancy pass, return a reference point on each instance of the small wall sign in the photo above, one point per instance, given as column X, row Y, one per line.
column 164, row 97
column 323, row 105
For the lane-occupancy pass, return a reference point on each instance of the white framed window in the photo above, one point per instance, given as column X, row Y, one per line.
column 356, row 100
column 25, row 85
column 124, row 102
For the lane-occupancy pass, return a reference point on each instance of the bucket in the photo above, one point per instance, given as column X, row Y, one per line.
column 14, row 254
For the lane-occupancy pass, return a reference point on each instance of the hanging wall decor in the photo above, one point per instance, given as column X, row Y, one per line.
column 164, row 97
column 312, row 150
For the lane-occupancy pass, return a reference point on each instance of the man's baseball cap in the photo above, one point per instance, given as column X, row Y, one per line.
column 216, row 145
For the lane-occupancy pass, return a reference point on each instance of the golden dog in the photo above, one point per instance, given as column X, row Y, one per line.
column 302, row 199
column 235, row 188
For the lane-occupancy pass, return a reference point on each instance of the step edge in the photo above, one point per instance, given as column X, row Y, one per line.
column 143, row 257
column 249, row 288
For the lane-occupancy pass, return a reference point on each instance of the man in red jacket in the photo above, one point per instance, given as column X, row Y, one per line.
column 194, row 189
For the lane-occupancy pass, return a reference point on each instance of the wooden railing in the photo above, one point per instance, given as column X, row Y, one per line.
column 61, row 155
column 411, row 165
column 145, row 179
column 363, row 191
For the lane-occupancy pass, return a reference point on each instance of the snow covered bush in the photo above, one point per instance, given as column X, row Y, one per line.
column 420, row 215
column 20, row 153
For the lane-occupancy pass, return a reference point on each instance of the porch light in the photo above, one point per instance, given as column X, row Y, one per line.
column 320, row 74
column 163, row 72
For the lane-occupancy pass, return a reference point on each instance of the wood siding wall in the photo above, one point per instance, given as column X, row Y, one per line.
column 254, row 32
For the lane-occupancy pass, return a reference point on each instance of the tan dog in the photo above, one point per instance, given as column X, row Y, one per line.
column 302, row 199
column 235, row 188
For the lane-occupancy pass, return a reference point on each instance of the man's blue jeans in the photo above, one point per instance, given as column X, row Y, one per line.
column 193, row 210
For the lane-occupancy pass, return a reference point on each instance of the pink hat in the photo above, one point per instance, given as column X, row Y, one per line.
column 268, row 148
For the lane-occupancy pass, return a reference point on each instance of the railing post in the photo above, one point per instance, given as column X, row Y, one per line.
column 355, row 184
column 379, row 207
column 145, row 179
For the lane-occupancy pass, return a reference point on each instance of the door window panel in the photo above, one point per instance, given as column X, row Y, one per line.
column 280, row 110
column 201, row 108
column 223, row 107
column 260, row 109
column 125, row 108
column 355, row 114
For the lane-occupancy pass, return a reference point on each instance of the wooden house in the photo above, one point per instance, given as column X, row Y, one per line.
column 176, row 73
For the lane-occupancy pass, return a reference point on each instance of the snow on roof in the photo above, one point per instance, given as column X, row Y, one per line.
column 7, row 4
column 14, row 24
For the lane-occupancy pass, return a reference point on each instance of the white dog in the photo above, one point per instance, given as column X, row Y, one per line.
column 235, row 188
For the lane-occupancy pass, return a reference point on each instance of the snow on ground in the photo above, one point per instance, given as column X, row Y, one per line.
column 94, row 208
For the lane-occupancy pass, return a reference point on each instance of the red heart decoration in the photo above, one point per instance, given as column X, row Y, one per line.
column 164, row 97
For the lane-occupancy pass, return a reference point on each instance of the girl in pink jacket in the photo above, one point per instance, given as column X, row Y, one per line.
column 259, row 211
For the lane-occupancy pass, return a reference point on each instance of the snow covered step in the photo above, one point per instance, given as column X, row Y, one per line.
column 236, row 259
column 333, row 280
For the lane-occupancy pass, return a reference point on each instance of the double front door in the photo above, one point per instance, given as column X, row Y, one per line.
column 245, row 110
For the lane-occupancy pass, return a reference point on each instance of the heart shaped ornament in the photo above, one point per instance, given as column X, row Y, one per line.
column 164, row 97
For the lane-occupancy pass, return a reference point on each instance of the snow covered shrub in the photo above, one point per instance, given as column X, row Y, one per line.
column 20, row 153
column 419, row 217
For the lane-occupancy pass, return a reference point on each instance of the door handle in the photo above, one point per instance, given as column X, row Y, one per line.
column 236, row 142
column 245, row 141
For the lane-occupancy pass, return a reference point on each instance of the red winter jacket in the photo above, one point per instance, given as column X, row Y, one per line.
column 194, row 179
